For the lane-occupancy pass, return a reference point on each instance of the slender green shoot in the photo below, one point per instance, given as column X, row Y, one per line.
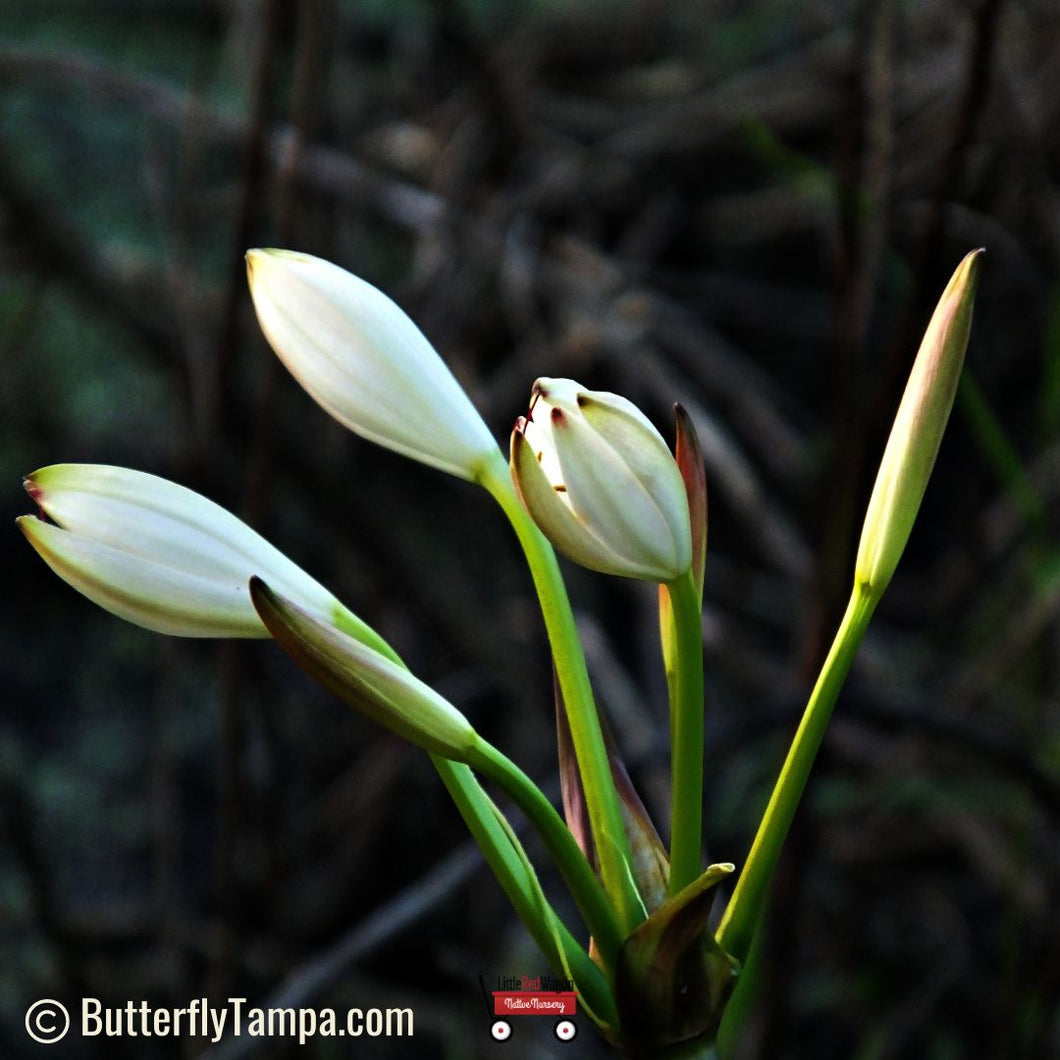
column 686, row 721
column 585, row 888
column 605, row 815
column 512, row 868
column 737, row 927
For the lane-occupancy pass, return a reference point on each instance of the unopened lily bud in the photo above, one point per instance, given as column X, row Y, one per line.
column 917, row 432
column 375, row 686
column 600, row 481
column 157, row 554
column 365, row 362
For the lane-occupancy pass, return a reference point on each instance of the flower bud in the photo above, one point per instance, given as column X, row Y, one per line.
column 157, row 554
column 375, row 686
column 365, row 362
column 917, row 432
column 599, row 480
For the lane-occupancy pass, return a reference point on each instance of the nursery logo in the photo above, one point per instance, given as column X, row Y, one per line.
column 524, row 995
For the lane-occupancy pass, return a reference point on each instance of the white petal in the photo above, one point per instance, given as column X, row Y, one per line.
column 156, row 520
column 608, row 497
column 643, row 451
column 554, row 515
column 363, row 360
column 623, row 494
column 143, row 591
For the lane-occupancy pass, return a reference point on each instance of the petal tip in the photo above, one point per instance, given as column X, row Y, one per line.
column 260, row 594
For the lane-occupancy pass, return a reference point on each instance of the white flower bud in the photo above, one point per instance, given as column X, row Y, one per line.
column 157, row 554
column 599, row 480
column 917, row 432
column 365, row 362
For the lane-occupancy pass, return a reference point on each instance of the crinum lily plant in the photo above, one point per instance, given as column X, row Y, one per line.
column 589, row 475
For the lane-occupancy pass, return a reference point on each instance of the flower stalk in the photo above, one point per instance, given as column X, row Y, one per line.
column 686, row 734
column 905, row 468
column 742, row 914
column 512, row 868
column 592, row 900
column 605, row 813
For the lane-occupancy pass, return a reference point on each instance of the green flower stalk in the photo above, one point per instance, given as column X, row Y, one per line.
column 682, row 654
column 686, row 735
column 650, row 866
column 900, row 483
column 603, row 806
column 512, row 868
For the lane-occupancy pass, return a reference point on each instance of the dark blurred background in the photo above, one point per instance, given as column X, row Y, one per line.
column 746, row 207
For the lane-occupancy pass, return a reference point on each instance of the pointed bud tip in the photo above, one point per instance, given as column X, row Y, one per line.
column 31, row 525
column 258, row 255
column 273, row 609
column 972, row 263
column 965, row 279
column 260, row 594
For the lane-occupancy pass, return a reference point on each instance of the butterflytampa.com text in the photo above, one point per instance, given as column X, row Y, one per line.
column 235, row 1017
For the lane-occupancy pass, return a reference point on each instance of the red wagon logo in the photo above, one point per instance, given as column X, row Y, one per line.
column 560, row 1004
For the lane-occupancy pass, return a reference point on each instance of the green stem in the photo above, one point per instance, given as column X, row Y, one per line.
column 484, row 821
column 737, row 926
column 508, row 861
column 605, row 816
column 512, row 869
column 686, row 755
column 585, row 888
